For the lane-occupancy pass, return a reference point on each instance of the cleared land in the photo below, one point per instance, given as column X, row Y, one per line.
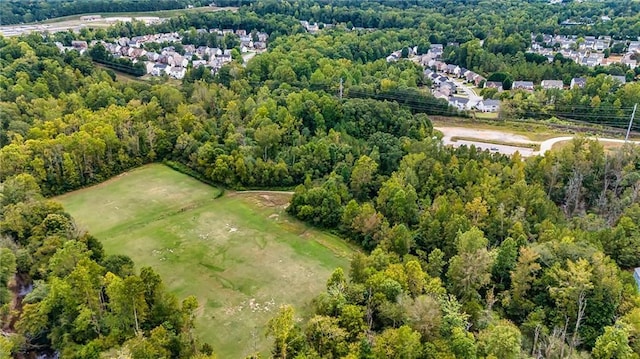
column 526, row 130
column 241, row 255
column 75, row 23
column 508, row 142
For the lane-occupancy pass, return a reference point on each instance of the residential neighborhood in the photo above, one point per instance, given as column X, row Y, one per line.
column 588, row 50
column 169, row 61
column 449, row 81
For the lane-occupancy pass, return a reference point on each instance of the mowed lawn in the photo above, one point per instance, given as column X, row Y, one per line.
column 241, row 255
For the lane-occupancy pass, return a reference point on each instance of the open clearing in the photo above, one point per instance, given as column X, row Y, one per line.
column 525, row 130
column 241, row 255
column 75, row 22
column 509, row 142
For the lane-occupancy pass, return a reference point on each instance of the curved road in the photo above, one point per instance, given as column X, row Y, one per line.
column 548, row 144
column 506, row 137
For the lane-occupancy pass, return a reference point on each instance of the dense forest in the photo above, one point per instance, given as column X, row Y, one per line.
column 466, row 253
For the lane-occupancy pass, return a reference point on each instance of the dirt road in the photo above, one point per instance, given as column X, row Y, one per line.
column 450, row 134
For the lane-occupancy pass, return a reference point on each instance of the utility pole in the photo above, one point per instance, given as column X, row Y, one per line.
column 626, row 138
column 341, row 88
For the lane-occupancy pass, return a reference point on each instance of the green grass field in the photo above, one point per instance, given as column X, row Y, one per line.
column 241, row 255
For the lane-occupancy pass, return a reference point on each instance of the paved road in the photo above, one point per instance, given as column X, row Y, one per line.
column 548, row 144
column 474, row 99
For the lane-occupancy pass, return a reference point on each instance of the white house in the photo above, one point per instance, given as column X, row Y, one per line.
column 493, row 85
column 460, row 103
column 149, row 66
column 177, row 72
column 552, row 84
column 524, row 85
column 159, row 70
column 488, row 105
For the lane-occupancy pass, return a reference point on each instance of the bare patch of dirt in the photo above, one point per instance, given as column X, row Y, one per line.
column 266, row 199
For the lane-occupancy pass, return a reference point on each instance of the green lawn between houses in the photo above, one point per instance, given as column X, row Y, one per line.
column 241, row 255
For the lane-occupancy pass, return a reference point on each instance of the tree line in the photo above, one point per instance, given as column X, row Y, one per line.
column 19, row 12
column 467, row 253
column 82, row 302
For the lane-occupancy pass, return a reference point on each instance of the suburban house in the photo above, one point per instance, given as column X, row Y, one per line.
column 522, row 85
column 601, row 45
column 392, row 58
column 627, row 60
column 177, row 60
column 592, row 60
column 177, row 72
column 159, row 70
column 451, row 69
column 621, row 79
column 149, row 66
column 153, row 56
column 488, row 105
column 552, row 84
column 578, row 82
column 474, row 78
column 135, row 53
column 439, row 80
column 493, row 85
column 460, row 103
column 436, row 50
column 448, row 88
column 79, row 45
column 440, row 66
column 198, row 63
column 133, row 43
